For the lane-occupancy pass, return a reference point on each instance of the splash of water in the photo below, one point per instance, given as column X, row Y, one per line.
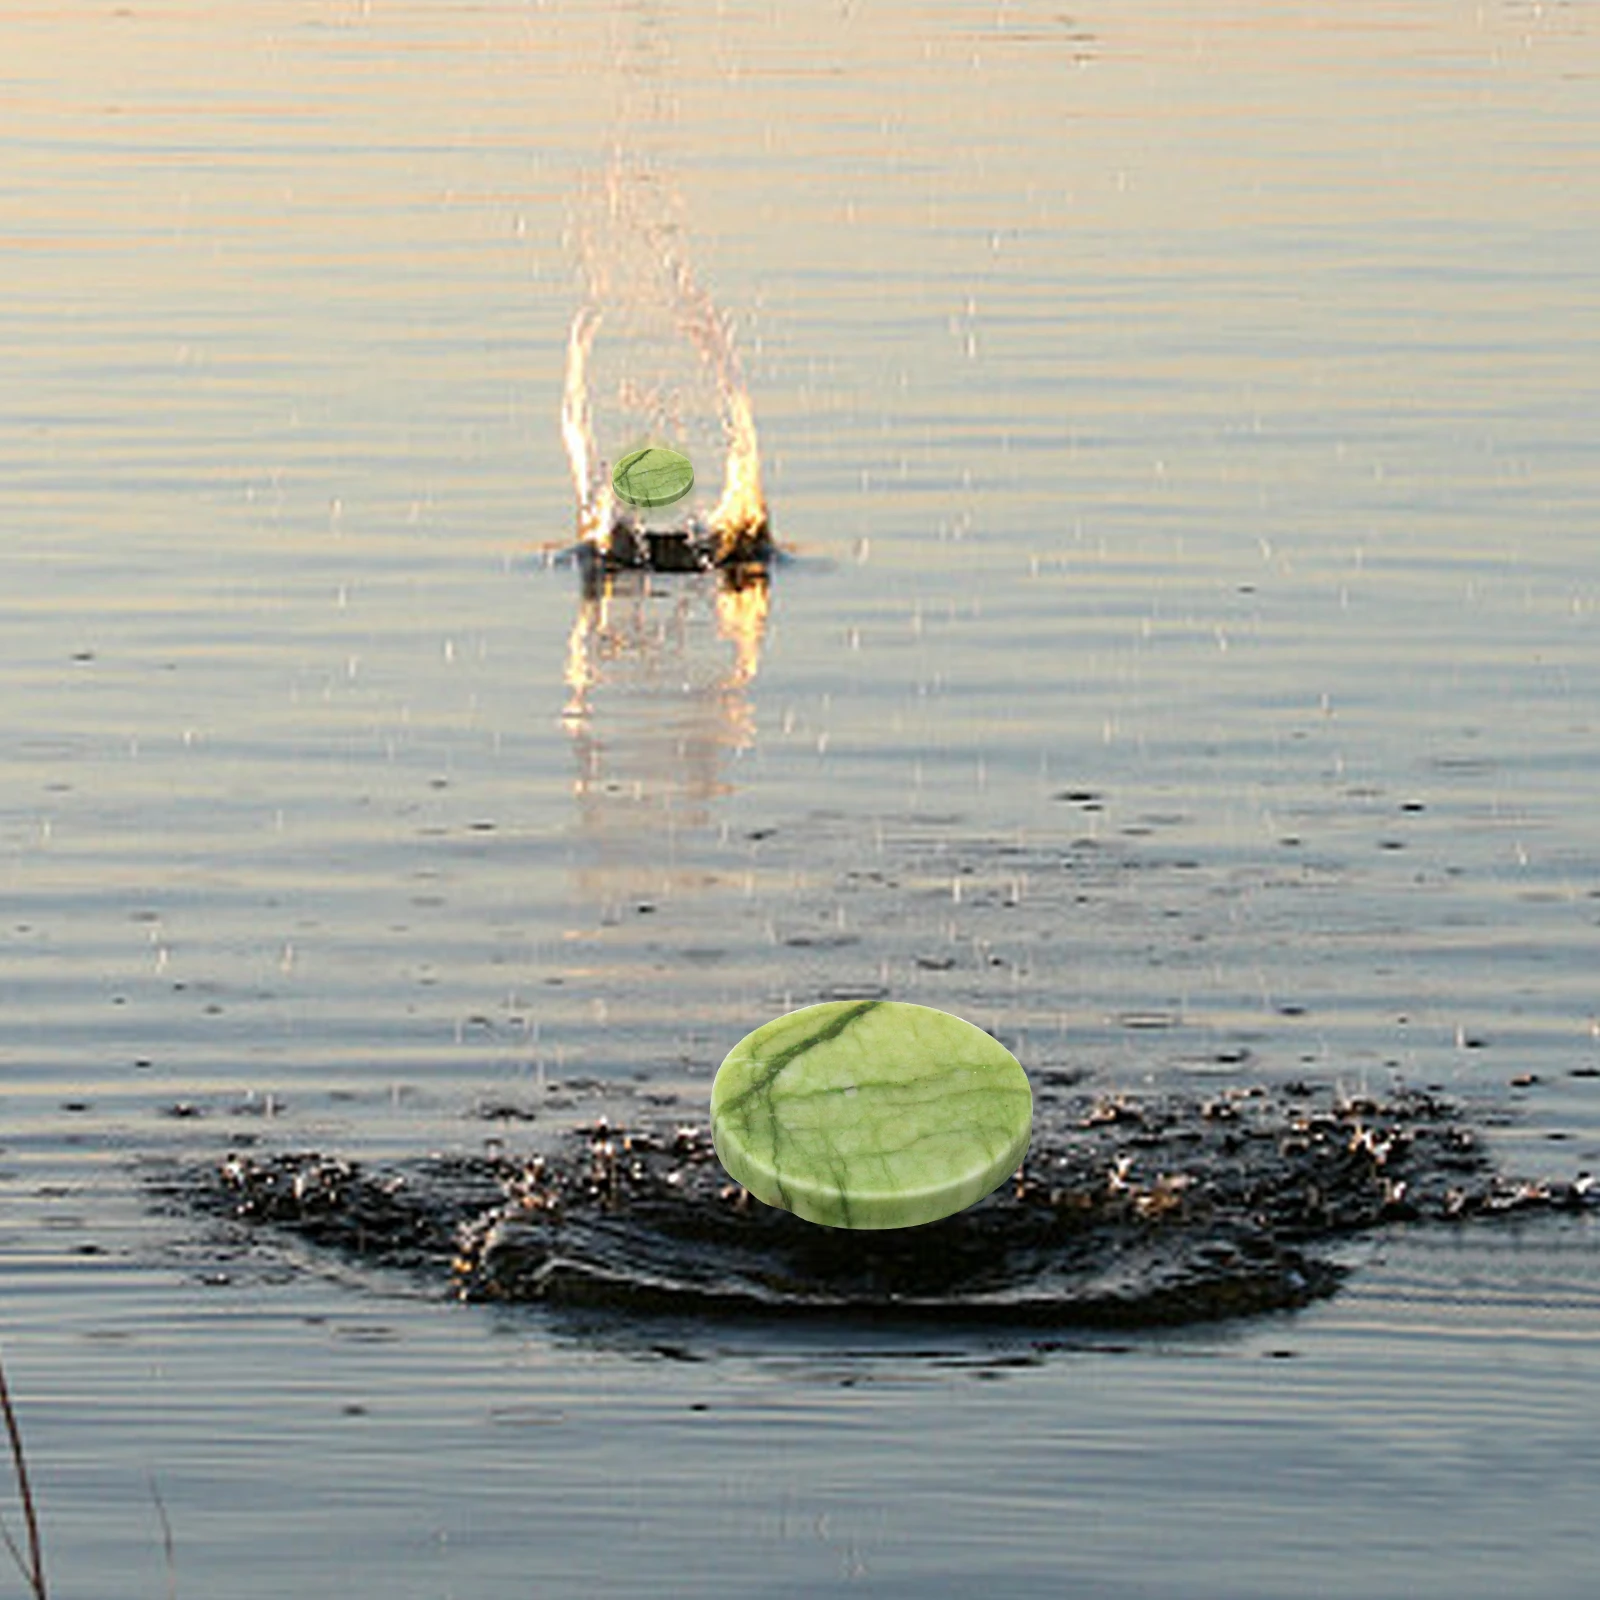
column 597, row 511
column 741, row 512
column 633, row 267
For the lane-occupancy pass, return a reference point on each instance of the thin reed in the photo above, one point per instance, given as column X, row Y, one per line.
column 32, row 1566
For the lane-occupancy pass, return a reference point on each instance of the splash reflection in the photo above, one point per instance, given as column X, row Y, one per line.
column 657, row 710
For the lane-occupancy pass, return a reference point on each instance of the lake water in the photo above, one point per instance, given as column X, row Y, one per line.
column 1184, row 422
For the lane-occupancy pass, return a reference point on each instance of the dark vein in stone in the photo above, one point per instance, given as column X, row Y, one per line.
column 925, row 1089
column 775, row 1129
column 823, row 1035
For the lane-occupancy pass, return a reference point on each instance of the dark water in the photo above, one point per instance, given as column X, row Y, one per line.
column 1185, row 426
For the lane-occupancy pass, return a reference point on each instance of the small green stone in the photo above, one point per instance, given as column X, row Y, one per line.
column 870, row 1113
column 654, row 476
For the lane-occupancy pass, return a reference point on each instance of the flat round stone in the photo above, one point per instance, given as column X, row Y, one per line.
column 870, row 1113
column 654, row 476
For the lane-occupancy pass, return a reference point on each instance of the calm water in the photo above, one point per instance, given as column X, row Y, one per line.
column 1186, row 425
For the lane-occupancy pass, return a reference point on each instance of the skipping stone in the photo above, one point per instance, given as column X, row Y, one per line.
column 653, row 476
column 870, row 1113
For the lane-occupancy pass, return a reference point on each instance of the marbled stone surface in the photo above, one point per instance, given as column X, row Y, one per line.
column 653, row 476
column 870, row 1113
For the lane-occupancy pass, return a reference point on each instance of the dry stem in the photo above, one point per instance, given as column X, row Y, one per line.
column 32, row 1569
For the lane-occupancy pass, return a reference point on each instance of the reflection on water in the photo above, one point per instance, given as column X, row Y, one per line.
column 657, row 675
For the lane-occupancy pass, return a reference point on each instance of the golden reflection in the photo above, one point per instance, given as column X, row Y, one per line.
column 657, row 710
column 742, row 606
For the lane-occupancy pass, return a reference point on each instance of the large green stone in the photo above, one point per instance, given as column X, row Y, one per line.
column 870, row 1113
column 653, row 476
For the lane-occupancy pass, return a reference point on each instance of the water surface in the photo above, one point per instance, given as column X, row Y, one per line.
column 1185, row 426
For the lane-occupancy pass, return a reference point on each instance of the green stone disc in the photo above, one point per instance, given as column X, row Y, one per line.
column 654, row 476
column 870, row 1113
